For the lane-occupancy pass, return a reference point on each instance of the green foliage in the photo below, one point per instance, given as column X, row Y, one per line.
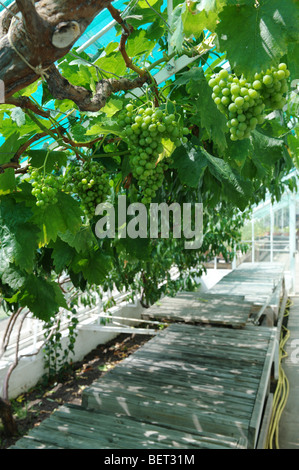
column 57, row 357
column 246, row 27
column 42, row 242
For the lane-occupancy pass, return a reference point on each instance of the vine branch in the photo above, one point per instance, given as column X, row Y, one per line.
column 61, row 88
column 127, row 30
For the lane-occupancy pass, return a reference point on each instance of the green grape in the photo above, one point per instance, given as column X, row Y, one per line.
column 155, row 124
column 275, row 87
column 267, row 79
column 257, row 84
column 89, row 184
column 45, row 187
column 223, row 74
column 243, row 102
column 239, row 101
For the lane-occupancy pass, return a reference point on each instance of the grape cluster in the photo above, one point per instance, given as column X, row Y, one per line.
column 144, row 129
column 45, row 187
column 273, row 85
column 239, row 101
column 89, row 183
column 244, row 102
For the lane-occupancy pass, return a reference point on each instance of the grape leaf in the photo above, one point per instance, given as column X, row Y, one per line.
column 7, row 181
column 267, row 150
column 62, row 254
column 38, row 158
column 14, row 277
column 144, row 13
column 94, row 266
column 64, row 215
column 177, row 27
column 9, row 148
column 112, row 63
column 18, row 235
column 135, row 248
column 239, row 151
column 138, row 43
column 222, row 171
column 207, row 116
column 293, row 64
column 82, row 240
column 211, row 118
column 109, row 126
column 155, row 30
column 256, row 36
column 201, row 15
column 113, row 106
column 190, row 164
column 42, row 297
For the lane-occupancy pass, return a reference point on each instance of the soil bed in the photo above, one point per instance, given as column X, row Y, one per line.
column 32, row 407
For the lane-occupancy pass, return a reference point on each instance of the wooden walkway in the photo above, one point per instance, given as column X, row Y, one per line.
column 195, row 307
column 260, row 283
column 193, row 378
column 200, row 385
column 73, row 427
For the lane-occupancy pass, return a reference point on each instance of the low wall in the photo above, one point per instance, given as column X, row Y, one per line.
column 30, row 370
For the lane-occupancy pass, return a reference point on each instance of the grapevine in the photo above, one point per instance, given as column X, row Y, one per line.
column 89, row 183
column 244, row 102
column 45, row 187
column 144, row 129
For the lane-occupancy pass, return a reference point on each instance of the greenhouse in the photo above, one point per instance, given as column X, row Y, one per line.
column 149, row 236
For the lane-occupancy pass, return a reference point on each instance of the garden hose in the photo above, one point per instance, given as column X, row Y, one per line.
column 282, row 389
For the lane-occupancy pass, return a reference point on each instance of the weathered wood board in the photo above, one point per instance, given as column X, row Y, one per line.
column 258, row 282
column 73, row 427
column 195, row 384
column 193, row 378
column 188, row 387
column 195, row 307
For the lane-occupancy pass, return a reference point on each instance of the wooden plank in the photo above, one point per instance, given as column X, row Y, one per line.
column 200, row 308
column 188, row 380
column 257, row 282
column 190, row 377
column 263, row 434
column 178, row 414
column 72, row 427
column 262, row 392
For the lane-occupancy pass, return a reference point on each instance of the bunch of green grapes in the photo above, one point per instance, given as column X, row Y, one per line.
column 45, row 187
column 273, row 86
column 243, row 102
column 239, row 101
column 145, row 129
column 89, row 183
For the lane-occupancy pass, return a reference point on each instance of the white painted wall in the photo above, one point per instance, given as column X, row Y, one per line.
column 30, row 370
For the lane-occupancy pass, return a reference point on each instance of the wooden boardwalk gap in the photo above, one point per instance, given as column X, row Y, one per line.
column 202, row 382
